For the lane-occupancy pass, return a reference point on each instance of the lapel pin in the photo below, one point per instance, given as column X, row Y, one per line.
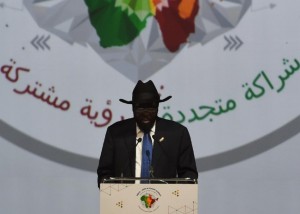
column 161, row 139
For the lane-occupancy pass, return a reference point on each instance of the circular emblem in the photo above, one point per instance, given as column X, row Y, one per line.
column 148, row 199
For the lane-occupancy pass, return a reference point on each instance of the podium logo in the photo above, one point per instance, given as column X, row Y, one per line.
column 148, row 198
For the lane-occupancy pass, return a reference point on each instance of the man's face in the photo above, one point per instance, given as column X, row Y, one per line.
column 145, row 116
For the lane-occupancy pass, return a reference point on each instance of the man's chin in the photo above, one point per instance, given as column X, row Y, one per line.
column 145, row 127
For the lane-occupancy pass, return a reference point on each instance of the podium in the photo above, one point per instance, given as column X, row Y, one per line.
column 157, row 196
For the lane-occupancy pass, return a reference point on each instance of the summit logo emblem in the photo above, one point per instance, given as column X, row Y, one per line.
column 137, row 38
column 149, row 199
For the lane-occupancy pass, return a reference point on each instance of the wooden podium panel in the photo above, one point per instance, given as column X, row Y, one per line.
column 121, row 198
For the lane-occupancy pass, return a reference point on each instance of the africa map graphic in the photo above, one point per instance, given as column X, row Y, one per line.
column 129, row 17
column 148, row 200
column 137, row 38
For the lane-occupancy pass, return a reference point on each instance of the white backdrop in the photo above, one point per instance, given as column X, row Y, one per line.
column 236, row 91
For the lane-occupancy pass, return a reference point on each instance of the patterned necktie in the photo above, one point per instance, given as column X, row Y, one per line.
column 146, row 156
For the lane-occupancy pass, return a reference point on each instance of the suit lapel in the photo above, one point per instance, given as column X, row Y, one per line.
column 157, row 150
column 130, row 141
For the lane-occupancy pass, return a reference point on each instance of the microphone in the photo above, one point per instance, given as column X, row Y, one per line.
column 130, row 157
column 138, row 141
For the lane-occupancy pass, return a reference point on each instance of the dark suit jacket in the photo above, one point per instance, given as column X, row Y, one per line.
column 173, row 157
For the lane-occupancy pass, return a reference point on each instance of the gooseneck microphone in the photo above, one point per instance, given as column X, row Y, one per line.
column 130, row 157
column 138, row 141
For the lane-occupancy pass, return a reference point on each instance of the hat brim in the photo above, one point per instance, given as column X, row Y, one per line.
column 131, row 102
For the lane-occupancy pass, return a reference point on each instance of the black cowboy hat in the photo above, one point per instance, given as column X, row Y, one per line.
column 145, row 93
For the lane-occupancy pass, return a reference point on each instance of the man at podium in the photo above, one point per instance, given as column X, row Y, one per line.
column 146, row 146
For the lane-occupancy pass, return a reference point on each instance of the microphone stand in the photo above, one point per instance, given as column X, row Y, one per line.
column 126, row 166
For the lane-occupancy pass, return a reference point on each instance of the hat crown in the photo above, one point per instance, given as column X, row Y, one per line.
column 145, row 93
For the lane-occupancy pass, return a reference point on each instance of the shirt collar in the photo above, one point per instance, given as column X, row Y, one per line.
column 139, row 132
